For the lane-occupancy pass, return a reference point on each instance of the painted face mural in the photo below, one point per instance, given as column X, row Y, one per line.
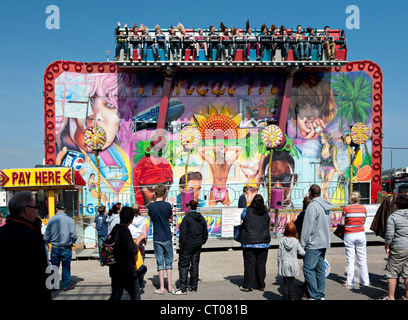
column 230, row 108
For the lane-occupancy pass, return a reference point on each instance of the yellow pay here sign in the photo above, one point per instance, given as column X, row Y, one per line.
column 38, row 177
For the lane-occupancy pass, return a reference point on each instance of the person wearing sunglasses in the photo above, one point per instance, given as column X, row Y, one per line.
column 282, row 173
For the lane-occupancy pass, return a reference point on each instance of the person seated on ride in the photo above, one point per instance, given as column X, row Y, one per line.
column 284, row 45
column 302, row 44
column 293, row 44
column 148, row 41
column 276, row 36
column 252, row 41
column 122, row 41
column 199, row 43
column 213, row 40
column 265, row 40
column 238, row 41
column 328, row 43
column 226, row 42
column 315, row 42
column 135, row 42
column 187, row 42
column 174, row 43
column 160, row 42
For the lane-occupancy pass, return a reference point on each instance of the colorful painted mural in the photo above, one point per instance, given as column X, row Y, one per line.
column 230, row 107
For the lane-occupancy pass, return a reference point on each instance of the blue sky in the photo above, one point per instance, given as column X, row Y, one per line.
column 86, row 32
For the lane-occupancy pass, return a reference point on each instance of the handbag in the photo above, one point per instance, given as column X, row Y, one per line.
column 107, row 251
column 237, row 233
column 339, row 232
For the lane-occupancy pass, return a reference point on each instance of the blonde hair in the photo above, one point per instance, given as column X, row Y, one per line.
column 355, row 197
column 180, row 28
column 136, row 209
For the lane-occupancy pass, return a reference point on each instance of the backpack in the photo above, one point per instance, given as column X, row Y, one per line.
column 107, row 251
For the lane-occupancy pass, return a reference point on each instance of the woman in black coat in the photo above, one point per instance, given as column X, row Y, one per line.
column 123, row 272
column 255, row 241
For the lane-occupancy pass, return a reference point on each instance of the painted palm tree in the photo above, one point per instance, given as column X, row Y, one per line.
column 354, row 103
column 353, row 98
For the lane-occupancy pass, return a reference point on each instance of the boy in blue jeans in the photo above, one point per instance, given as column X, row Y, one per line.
column 161, row 215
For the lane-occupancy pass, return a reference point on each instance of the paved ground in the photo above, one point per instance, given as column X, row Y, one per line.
column 221, row 274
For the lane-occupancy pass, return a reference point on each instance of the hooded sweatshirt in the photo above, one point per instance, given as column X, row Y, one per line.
column 136, row 227
column 316, row 225
column 193, row 230
column 397, row 229
column 289, row 248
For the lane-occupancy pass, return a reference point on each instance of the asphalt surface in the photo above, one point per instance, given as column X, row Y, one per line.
column 221, row 274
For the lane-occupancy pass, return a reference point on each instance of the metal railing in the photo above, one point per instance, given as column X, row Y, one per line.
column 338, row 194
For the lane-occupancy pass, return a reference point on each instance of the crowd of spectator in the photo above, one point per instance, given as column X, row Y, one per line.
column 226, row 42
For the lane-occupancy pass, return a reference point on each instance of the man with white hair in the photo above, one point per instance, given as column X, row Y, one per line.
column 23, row 257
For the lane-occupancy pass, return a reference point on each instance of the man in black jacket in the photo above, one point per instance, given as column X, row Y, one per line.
column 23, row 257
column 193, row 234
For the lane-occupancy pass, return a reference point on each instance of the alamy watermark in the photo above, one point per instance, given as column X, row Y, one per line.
column 353, row 20
column 53, row 20
column 53, row 280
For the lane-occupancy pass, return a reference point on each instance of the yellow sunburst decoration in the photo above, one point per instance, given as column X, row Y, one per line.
column 220, row 124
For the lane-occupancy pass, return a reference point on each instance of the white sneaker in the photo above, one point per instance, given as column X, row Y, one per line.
column 179, row 292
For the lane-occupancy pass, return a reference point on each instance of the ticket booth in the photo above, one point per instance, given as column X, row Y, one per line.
column 49, row 184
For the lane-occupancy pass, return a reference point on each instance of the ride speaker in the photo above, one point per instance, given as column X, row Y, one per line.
column 185, row 198
column 364, row 189
column 276, row 198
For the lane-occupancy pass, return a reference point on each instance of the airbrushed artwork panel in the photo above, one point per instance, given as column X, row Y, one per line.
column 230, row 108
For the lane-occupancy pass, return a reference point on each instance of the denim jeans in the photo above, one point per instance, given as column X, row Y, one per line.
column 294, row 47
column 318, row 47
column 63, row 255
column 138, row 48
column 163, row 251
column 175, row 48
column 101, row 240
column 304, row 50
column 161, row 45
column 217, row 47
column 284, row 50
column 314, row 271
column 120, row 46
column 236, row 47
column 154, row 50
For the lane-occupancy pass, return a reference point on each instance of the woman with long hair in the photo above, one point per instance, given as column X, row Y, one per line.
column 328, row 163
column 255, row 241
